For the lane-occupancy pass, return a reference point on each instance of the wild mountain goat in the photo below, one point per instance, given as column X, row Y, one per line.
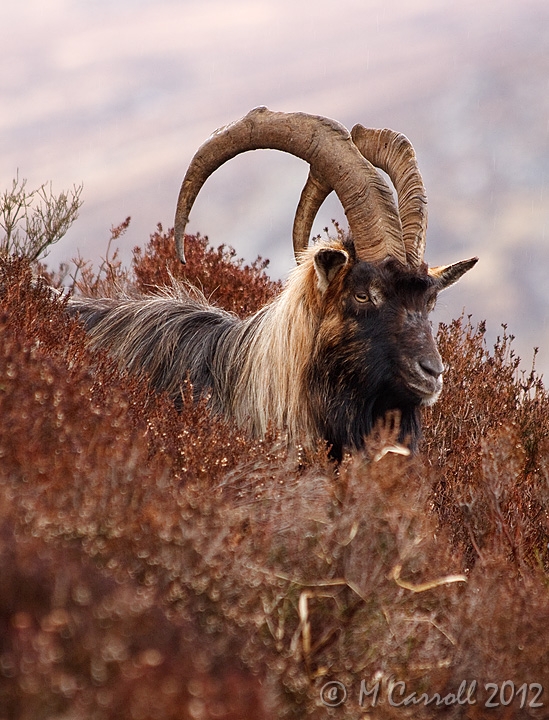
column 346, row 340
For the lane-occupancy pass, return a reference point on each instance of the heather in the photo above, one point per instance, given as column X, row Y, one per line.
column 160, row 564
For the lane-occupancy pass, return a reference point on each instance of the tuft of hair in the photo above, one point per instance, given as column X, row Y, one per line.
column 253, row 370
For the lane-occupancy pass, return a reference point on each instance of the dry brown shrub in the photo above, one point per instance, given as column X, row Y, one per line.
column 224, row 280
column 488, row 439
column 158, row 564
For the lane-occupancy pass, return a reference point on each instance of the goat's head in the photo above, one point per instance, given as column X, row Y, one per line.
column 374, row 350
column 374, row 291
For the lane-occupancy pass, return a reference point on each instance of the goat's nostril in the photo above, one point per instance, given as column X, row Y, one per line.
column 432, row 366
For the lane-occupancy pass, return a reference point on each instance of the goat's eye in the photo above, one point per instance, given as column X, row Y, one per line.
column 362, row 297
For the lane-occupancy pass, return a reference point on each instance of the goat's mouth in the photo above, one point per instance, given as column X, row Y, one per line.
column 424, row 379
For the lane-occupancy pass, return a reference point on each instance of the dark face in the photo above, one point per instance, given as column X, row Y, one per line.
column 386, row 309
column 374, row 352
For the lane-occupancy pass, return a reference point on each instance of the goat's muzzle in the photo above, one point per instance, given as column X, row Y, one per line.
column 426, row 377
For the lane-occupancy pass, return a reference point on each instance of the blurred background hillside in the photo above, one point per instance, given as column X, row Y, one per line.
column 118, row 94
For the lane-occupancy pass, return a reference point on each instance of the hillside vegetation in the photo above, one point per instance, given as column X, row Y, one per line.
column 161, row 565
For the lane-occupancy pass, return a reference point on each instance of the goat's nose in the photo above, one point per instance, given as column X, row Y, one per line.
column 432, row 366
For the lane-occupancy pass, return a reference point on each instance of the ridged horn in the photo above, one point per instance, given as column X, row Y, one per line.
column 332, row 155
column 393, row 153
column 314, row 192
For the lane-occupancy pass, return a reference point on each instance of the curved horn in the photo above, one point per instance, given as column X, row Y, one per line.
column 314, row 192
column 327, row 146
column 393, row 153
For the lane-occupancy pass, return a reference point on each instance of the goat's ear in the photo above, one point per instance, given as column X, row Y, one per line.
column 447, row 275
column 328, row 261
